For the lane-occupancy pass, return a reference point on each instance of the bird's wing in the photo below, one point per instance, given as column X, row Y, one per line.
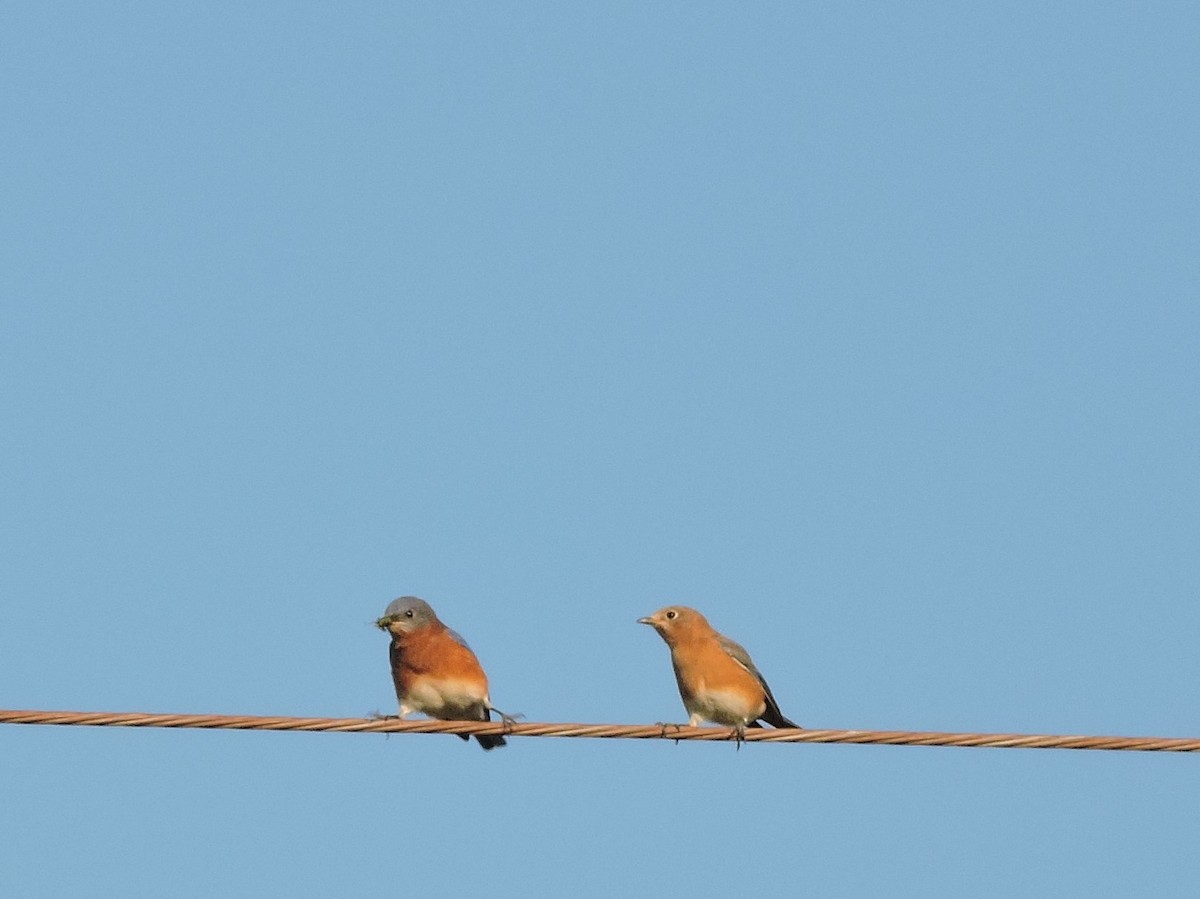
column 737, row 652
column 457, row 638
column 739, row 655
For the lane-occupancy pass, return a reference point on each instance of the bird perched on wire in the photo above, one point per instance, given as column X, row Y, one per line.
column 717, row 680
column 434, row 670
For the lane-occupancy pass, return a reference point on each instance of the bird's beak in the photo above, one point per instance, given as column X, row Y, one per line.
column 649, row 621
column 382, row 623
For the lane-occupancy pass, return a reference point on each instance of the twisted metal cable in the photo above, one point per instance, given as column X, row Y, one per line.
column 623, row 731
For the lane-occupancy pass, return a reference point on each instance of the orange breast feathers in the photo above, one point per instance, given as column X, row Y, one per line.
column 431, row 654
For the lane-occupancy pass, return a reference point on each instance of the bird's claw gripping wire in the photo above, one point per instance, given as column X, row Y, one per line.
column 739, row 735
column 509, row 721
column 662, row 730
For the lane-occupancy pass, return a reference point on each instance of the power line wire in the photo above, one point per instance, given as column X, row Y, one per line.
column 613, row 731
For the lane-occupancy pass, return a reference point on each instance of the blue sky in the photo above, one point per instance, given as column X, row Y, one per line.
column 870, row 332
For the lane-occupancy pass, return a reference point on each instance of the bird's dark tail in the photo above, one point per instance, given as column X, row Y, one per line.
column 485, row 740
column 773, row 716
column 488, row 741
column 778, row 720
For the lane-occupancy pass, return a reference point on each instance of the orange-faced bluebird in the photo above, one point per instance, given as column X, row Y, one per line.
column 433, row 668
column 717, row 680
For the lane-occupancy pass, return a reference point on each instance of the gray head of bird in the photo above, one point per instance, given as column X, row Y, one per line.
column 406, row 614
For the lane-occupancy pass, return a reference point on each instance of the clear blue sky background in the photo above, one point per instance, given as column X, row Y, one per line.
column 870, row 331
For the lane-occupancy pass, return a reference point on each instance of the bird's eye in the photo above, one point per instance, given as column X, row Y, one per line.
column 408, row 613
column 671, row 615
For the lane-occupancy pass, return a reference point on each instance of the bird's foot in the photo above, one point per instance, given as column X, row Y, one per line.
column 509, row 721
column 662, row 733
column 739, row 734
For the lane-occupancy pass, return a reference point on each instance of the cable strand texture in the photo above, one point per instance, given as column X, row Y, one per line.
column 616, row 731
